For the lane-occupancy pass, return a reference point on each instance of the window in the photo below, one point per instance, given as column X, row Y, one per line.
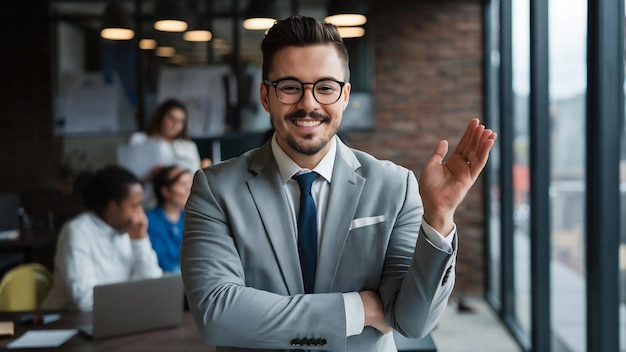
column 568, row 34
column 493, row 168
column 622, row 247
column 521, row 171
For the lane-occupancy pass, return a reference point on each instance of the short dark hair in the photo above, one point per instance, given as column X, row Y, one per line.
column 162, row 179
column 301, row 31
column 107, row 184
column 159, row 114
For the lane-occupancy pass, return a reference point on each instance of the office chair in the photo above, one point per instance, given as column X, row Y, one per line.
column 24, row 287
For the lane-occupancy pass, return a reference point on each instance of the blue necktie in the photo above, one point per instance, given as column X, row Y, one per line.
column 307, row 230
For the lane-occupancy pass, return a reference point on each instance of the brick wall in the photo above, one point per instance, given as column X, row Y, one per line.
column 29, row 151
column 428, row 85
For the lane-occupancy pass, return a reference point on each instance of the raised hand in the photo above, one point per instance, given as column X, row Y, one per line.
column 443, row 184
column 139, row 226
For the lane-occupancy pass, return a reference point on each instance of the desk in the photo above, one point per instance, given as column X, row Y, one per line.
column 183, row 338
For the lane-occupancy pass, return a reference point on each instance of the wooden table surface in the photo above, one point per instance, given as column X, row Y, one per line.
column 182, row 338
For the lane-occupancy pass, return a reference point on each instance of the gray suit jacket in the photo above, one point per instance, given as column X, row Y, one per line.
column 240, row 266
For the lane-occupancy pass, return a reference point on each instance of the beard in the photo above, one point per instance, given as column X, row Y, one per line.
column 311, row 146
column 307, row 149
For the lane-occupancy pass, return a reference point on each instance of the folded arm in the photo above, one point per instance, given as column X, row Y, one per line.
column 418, row 277
column 226, row 312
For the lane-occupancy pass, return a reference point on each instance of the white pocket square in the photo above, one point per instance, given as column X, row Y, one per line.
column 370, row 220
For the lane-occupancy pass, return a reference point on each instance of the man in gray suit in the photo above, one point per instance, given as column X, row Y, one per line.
column 383, row 257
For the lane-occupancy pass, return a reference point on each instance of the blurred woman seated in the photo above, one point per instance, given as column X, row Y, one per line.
column 165, row 222
column 168, row 129
column 107, row 243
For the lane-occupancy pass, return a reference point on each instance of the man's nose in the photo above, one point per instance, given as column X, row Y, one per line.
column 308, row 101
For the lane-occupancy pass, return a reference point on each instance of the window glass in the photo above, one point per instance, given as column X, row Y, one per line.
column 567, row 38
column 493, row 168
column 622, row 247
column 520, row 172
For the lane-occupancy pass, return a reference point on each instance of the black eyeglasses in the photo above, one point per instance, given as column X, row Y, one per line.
column 290, row 91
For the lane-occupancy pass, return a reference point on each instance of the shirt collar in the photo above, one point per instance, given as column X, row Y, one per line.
column 103, row 226
column 288, row 168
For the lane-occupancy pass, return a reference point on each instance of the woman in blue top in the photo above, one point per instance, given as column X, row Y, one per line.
column 165, row 222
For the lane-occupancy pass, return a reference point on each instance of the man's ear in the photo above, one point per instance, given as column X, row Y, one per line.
column 346, row 95
column 264, row 96
column 111, row 208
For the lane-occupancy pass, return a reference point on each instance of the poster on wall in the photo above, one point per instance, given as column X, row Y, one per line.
column 92, row 103
column 208, row 93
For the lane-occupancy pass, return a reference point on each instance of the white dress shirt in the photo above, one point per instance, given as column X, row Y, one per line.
column 90, row 252
column 182, row 152
column 355, row 313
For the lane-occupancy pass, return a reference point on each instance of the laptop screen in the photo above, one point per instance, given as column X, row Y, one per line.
column 134, row 306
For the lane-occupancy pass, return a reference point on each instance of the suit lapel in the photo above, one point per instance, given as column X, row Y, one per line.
column 279, row 225
column 345, row 192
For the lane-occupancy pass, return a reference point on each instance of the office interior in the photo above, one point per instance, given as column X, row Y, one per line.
column 543, row 232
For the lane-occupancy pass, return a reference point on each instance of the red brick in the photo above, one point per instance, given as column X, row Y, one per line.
column 428, row 58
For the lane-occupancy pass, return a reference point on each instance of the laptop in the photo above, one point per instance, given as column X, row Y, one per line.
column 134, row 306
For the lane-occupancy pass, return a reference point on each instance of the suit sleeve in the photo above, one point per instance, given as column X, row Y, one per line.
column 417, row 278
column 226, row 312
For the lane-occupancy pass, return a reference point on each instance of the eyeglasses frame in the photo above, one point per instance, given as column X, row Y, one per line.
column 275, row 83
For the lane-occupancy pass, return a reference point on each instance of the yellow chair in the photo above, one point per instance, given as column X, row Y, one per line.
column 24, row 287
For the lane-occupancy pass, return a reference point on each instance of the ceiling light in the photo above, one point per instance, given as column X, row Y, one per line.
column 170, row 25
column 117, row 23
column 147, row 44
column 346, row 12
column 346, row 19
column 169, row 16
column 199, row 35
column 198, row 30
column 351, row 32
column 260, row 15
column 165, row 51
column 117, row 33
column 258, row 23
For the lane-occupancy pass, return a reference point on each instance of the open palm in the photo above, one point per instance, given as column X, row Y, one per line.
column 443, row 184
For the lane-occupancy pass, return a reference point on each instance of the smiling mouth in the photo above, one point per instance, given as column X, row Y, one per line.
column 307, row 123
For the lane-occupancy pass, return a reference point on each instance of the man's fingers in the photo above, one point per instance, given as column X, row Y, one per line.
column 474, row 140
column 480, row 155
column 467, row 135
column 439, row 153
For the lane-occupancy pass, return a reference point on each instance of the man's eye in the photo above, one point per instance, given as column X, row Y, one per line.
column 290, row 89
column 325, row 89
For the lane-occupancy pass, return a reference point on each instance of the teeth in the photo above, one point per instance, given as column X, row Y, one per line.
column 307, row 123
